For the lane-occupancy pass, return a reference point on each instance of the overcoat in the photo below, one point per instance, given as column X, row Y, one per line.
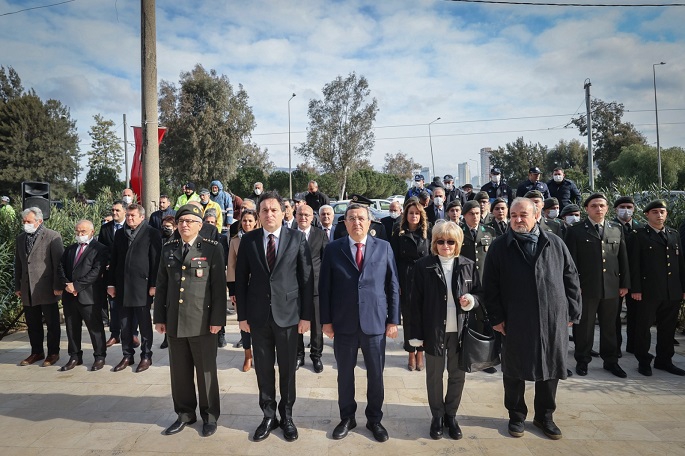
column 37, row 275
column 407, row 252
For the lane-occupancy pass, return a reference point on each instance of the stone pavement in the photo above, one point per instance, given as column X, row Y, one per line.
column 48, row 412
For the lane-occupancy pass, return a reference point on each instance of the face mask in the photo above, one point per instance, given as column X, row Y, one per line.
column 417, row 184
column 570, row 219
column 168, row 231
column 554, row 213
column 82, row 239
column 394, row 215
column 558, row 178
column 495, row 179
column 215, row 193
column 29, row 228
column 438, row 200
column 257, row 191
column 624, row 214
column 127, row 199
column 448, row 186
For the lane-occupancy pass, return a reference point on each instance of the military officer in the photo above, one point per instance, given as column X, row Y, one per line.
column 376, row 229
column 477, row 237
column 550, row 226
column 657, row 285
column 190, row 307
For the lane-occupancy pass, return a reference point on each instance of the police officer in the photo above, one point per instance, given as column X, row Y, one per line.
column 533, row 183
column 190, row 307
column 376, row 229
column 496, row 188
column 452, row 192
column 418, row 187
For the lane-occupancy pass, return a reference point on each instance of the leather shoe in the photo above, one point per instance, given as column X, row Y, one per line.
column 221, row 341
column 50, row 360
column 289, row 430
column 670, row 368
column 615, row 369
column 342, row 429
column 378, row 431
column 112, row 341
column 436, row 428
column 73, row 362
column 594, row 354
column 490, row 370
column 165, row 343
column 549, row 429
column 136, row 342
column 208, row 429
column 32, row 359
column 645, row 369
column 299, row 363
column 453, row 427
column 516, row 428
column 569, row 373
column 123, row 364
column 264, row 429
column 177, row 427
column 581, row 369
column 318, row 365
column 98, row 364
column 144, row 364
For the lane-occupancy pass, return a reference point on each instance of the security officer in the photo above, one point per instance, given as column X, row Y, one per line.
column 496, row 188
column 376, row 230
column 453, row 192
column 190, row 307
column 657, row 285
column 599, row 251
column 418, row 187
column 533, row 183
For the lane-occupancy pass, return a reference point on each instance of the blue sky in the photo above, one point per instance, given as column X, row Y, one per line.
column 468, row 64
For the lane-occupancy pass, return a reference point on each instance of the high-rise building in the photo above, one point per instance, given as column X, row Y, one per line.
column 464, row 173
column 485, row 165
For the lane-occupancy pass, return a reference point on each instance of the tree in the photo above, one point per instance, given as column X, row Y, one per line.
column 639, row 162
column 340, row 132
column 210, row 128
column 400, row 165
column 99, row 178
column 243, row 182
column 515, row 159
column 105, row 148
column 609, row 134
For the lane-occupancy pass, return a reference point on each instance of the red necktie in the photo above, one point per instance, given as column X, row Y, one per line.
column 271, row 252
column 79, row 252
column 359, row 257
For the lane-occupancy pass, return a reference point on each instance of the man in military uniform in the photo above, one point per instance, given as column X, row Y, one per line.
column 599, row 252
column 498, row 189
column 550, row 226
column 477, row 237
column 657, row 284
column 484, row 202
column 500, row 211
column 533, row 183
column 190, row 307
column 376, row 230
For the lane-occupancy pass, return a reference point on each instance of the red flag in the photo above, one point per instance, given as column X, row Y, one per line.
column 137, row 165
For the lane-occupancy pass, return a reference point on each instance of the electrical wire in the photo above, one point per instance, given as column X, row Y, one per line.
column 600, row 5
column 37, row 7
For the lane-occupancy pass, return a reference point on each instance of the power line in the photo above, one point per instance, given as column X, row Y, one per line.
column 37, row 7
column 617, row 5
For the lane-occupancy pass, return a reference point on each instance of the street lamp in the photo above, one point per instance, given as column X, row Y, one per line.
column 290, row 164
column 430, row 140
column 656, row 113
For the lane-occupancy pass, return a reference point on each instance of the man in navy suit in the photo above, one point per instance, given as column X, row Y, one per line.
column 359, row 299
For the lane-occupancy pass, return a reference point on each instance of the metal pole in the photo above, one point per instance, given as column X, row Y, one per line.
column 430, row 140
column 290, row 163
column 590, row 156
column 128, row 183
column 656, row 113
column 148, row 55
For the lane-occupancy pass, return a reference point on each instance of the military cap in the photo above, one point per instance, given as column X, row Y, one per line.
column 467, row 186
column 534, row 194
column 656, row 204
column 453, row 203
column 470, row 205
column 495, row 171
column 482, row 196
column 6, row 199
column 448, row 177
column 550, row 202
column 534, row 170
column 569, row 208
column 188, row 209
column 190, row 186
column 204, row 191
column 297, row 197
column 594, row 196
column 624, row 200
column 497, row 201
column 418, row 177
column 360, row 199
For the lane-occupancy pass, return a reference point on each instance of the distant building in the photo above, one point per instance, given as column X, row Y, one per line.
column 464, row 173
column 475, row 181
column 485, row 166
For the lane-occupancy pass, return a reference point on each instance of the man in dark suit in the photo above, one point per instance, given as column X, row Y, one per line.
column 274, row 293
column 436, row 209
column 599, row 252
column 81, row 269
column 317, row 240
column 190, row 307
column 395, row 214
column 360, row 306
column 132, row 275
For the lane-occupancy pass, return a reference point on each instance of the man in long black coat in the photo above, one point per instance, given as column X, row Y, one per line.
column 532, row 296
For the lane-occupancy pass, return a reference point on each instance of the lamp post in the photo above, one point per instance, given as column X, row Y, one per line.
column 430, row 140
column 656, row 113
column 290, row 164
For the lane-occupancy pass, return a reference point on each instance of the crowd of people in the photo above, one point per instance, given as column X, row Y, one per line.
column 522, row 259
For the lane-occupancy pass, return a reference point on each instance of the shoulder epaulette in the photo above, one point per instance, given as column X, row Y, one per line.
column 171, row 241
column 210, row 241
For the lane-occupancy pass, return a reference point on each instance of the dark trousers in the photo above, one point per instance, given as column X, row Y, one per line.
column 544, row 403
column 346, row 347
column 34, row 322
column 665, row 314
column 315, row 336
column 405, row 308
column 630, row 323
column 75, row 314
column 246, row 339
column 190, row 357
column 128, row 317
column 271, row 343
column 115, row 319
column 584, row 332
column 445, row 404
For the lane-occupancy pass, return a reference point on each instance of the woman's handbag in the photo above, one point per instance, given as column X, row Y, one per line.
column 478, row 351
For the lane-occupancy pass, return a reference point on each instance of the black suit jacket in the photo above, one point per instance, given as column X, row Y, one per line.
column 86, row 275
column 430, row 213
column 317, row 244
column 287, row 292
column 106, row 235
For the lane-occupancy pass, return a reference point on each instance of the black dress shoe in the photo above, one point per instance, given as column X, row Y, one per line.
column 453, row 427
column 615, row 369
column 594, row 354
column 264, row 429
column 516, row 428
column 342, row 429
column 569, row 373
column 165, row 343
column 221, row 342
column 318, row 365
column 123, row 364
column 289, row 430
column 378, row 431
column 645, row 369
column 98, row 364
column 490, row 370
column 549, row 429
column 670, row 368
column 581, row 369
column 177, row 427
column 675, row 342
column 436, row 428
column 299, row 363
column 208, row 429
column 71, row 364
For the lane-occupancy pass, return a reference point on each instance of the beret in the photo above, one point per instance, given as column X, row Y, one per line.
column 569, row 208
column 482, row 196
column 594, row 196
column 498, row 201
column 188, row 209
column 454, row 203
column 534, row 194
column 624, row 200
column 656, row 204
column 470, row 205
column 550, row 202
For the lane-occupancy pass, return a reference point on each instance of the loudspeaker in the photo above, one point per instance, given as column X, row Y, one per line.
column 36, row 194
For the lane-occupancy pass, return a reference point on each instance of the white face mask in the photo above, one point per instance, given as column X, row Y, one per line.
column 495, row 178
column 257, row 191
column 624, row 214
column 554, row 213
column 127, row 199
column 558, row 178
column 394, row 215
column 82, row 239
column 417, row 184
column 570, row 219
column 438, row 200
column 448, row 186
column 30, row 228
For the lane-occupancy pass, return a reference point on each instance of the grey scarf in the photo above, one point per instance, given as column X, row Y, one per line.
column 528, row 242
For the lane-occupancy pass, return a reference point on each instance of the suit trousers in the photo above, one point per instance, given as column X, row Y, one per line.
column 445, row 404
column 75, row 314
column 115, row 319
column 190, row 357
column 270, row 343
column 544, row 402
column 665, row 314
column 315, row 336
column 34, row 322
column 346, row 347
column 129, row 315
column 584, row 332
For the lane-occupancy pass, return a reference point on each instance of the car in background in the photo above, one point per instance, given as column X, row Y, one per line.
column 398, row 198
column 339, row 208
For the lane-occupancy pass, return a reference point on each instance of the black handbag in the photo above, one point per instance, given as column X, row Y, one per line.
column 478, row 351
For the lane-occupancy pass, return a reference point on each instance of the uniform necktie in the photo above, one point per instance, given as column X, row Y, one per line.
column 473, row 234
column 599, row 230
column 186, row 249
column 271, row 252
column 663, row 236
column 79, row 252
column 359, row 256
column 503, row 227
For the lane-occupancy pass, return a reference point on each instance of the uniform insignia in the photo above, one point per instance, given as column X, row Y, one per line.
column 199, row 272
column 372, row 232
column 199, row 259
column 171, row 241
column 210, row 241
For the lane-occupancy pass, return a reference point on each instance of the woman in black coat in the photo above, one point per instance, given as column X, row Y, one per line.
column 410, row 242
column 438, row 314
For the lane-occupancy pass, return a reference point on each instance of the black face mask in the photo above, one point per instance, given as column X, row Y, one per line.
column 168, row 231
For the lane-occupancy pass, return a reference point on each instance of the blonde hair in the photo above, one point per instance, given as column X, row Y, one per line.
column 447, row 230
column 423, row 218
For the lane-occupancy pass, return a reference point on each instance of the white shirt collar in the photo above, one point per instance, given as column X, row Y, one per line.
column 353, row 243
column 277, row 233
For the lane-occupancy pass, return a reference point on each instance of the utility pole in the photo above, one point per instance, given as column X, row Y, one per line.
column 128, row 177
column 590, row 157
column 148, row 58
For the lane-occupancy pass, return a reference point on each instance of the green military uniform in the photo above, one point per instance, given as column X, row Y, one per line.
column 629, row 229
column 191, row 297
column 552, row 226
column 475, row 249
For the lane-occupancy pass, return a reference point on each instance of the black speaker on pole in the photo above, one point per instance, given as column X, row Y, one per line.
column 36, row 194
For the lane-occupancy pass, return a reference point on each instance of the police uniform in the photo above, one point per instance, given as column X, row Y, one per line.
column 191, row 297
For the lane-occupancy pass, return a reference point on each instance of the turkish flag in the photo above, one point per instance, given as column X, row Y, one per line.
column 137, row 165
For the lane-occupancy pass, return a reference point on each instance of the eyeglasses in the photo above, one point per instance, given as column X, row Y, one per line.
column 356, row 219
column 187, row 221
column 304, row 215
column 449, row 242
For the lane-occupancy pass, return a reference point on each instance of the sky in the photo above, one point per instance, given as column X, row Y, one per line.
column 491, row 72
